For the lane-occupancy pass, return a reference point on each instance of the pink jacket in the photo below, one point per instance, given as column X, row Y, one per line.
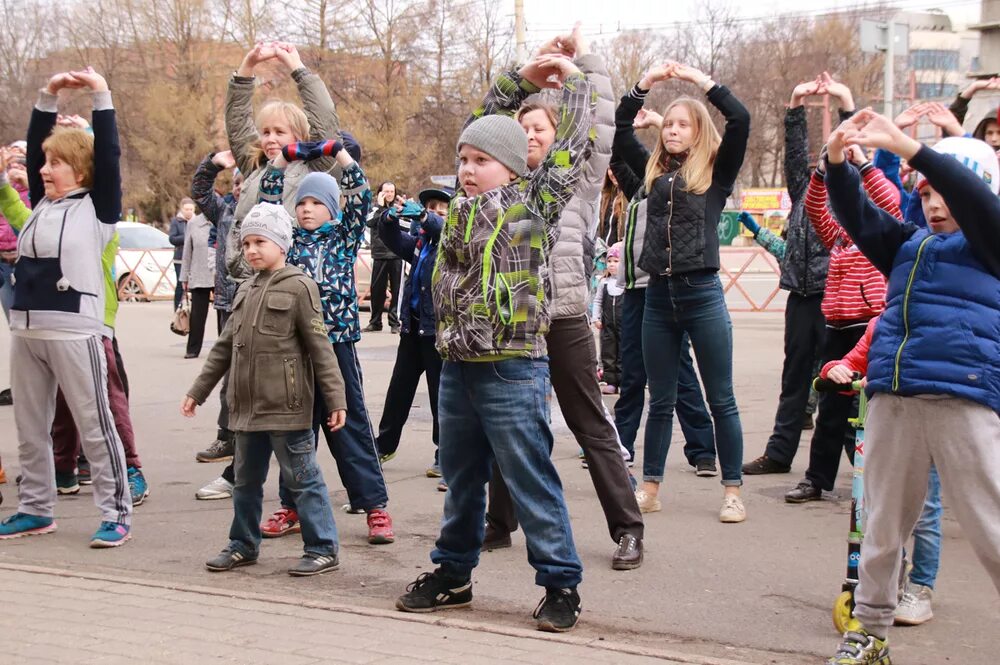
column 8, row 239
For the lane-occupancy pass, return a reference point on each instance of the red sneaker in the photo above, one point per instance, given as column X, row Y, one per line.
column 283, row 522
column 380, row 527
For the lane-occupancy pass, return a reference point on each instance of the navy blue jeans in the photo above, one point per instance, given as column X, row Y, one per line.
column 695, row 305
column 296, row 455
column 353, row 446
column 696, row 424
column 500, row 410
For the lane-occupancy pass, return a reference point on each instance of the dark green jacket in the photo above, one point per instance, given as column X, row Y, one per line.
column 276, row 349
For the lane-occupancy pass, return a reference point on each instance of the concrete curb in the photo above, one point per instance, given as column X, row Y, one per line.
column 460, row 624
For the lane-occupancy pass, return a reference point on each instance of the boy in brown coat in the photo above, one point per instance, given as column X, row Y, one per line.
column 273, row 344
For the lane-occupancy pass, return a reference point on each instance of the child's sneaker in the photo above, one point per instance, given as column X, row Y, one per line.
column 137, row 486
column 732, row 510
column 915, row 606
column 83, row 471
column 283, row 522
column 382, row 459
column 442, row 486
column 67, row 483
column 111, row 534
column 648, row 503
column 860, row 648
column 221, row 450
column 380, row 527
column 434, row 471
column 228, row 559
column 220, row 488
column 20, row 524
column 434, row 591
column 559, row 611
column 314, row 564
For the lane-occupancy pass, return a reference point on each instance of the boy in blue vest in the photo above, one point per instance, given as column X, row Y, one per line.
column 934, row 366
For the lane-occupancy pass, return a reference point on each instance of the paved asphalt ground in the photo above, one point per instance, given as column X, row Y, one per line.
column 758, row 592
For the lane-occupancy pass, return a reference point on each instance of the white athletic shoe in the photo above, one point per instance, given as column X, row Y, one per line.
column 648, row 503
column 732, row 510
column 220, row 488
column 915, row 606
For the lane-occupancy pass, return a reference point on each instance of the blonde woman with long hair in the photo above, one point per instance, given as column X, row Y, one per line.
column 686, row 179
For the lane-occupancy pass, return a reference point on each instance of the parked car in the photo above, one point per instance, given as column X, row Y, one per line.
column 144, row 266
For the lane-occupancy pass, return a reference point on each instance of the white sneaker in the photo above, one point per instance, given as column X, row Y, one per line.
column 732, row 510
column 915, row 606
column 220, row 488
column 648, row 503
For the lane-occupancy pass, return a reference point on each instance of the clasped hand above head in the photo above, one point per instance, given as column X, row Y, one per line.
column 870, row 130
column 284, row 52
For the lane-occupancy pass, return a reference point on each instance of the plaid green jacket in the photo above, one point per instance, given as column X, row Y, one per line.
column 491, row 281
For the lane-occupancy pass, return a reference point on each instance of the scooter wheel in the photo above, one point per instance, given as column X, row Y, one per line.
column 843, row 618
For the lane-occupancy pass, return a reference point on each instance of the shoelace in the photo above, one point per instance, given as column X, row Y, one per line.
column 853, row 644
column 422, row 580
column 909, row 599
column 378, row 519
column 108, row 526
column 280, row 516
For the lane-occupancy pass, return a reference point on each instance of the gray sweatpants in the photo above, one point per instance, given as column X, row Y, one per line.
column 903, row 437
column 79, row 367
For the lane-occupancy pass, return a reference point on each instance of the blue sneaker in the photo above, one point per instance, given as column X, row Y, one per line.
column 20, row 524
column 111, row 534
column 137, row 486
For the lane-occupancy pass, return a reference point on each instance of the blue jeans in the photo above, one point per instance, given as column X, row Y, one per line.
column 6, row 288
column 500, row 410
column 927, row 536
column 296, row 456
column 699, row 437
column 353, row 446
column 691, row 304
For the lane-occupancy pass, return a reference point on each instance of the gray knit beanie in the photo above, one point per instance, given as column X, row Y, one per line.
column 271, row 221
column 500, row 137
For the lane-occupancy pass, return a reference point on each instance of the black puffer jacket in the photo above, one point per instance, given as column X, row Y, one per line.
column 804, row 268
column 682, row 227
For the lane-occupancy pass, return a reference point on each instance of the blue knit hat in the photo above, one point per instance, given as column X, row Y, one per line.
column 322, row 187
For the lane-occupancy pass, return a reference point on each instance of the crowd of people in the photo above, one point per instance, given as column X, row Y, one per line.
column 562, row 222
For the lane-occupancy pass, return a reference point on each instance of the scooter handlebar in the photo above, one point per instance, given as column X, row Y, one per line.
column 822, row 385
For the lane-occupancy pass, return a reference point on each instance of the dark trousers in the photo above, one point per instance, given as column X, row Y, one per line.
column 611, row 348
column 225, row 434
column 178, row 289
column 696, row 424
column 65, row 437
column 805, row 332
column 416, row 355
column 571, row 365
column 200, row 300
column 833, row 433
column 385, row 272
column 353, row 446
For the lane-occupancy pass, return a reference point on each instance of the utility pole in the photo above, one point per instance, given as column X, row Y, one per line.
column 889, row 85
column 522, row 47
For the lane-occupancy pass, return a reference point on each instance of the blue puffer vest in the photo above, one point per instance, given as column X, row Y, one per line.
column 940, row 332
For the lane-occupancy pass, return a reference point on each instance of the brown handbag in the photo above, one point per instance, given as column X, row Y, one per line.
column 181, row 323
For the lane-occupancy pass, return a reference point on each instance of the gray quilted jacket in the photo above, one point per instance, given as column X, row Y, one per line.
column 572, row 258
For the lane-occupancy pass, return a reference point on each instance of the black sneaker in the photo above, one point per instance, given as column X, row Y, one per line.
column 67, row 483
column 706, row 469
column 559, row 610
column 804, row 492
column 763, row 465
column 495, row 539
column 372, row 327
column 807, row 422
column 314, row 564
column 433, row 591
column 228, row 559
column 221, row 450
column 6, row 397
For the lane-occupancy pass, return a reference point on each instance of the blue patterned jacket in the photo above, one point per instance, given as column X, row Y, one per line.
column 327, row 254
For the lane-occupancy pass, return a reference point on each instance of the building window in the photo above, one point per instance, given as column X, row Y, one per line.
column 934, row 59
column 936, row 90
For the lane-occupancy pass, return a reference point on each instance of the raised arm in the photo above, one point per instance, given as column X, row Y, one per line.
column 400, row 243
column 797, row 141
column 553, row 183
column 627, row 149
column 818, row 212
column 106, row 192
column 203, row 186
column 733, row 148
column 357, row 194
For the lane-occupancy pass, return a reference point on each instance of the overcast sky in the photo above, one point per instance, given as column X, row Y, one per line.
column 604, row 17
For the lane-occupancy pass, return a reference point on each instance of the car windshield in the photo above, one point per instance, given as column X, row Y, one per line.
column 142, row 237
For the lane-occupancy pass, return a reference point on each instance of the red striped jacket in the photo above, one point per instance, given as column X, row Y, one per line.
column 855, row 289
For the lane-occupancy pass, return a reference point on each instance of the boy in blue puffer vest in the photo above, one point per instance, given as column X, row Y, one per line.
column 934, row 365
